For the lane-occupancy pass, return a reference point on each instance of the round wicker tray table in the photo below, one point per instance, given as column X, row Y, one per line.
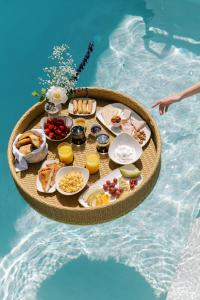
column 67, row 209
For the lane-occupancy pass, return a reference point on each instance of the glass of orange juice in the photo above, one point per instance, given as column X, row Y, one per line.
column 65, row 153
column 92, row 162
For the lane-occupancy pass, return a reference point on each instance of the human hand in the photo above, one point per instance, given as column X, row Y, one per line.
column 166, row 102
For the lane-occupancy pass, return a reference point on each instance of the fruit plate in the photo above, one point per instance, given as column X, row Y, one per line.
column 70, row 107
column 67, row 121
column 38, row 182
column 99, row 184
column 116, row 130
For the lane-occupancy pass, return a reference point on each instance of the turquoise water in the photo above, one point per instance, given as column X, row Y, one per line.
column 147, row 49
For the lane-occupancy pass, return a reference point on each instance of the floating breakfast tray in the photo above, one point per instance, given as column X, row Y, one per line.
column 67, row 209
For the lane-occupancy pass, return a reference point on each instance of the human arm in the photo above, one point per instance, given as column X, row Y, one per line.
column 164, row 103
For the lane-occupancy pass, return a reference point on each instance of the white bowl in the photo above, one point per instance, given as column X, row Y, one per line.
column 67, row 120
column 67, row 170
column 124, row 139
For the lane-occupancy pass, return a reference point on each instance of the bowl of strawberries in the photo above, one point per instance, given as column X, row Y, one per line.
column 57, row 128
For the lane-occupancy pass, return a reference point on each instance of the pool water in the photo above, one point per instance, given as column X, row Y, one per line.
column 148, row 49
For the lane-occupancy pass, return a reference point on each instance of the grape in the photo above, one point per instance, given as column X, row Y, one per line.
column 105, row 187
column 112, row 190
column 108, row 182
column 115, row 180
column 118, row 193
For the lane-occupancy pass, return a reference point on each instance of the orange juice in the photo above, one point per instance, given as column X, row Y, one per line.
column 65, row 153
column 92, row 162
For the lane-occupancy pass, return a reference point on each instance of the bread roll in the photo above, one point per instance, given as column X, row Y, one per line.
column 27, row 149
column 75, row 106
column 23, row 142
column 85, row 102
column 25, row 135
column 89, row 107
column 80, row 106
column 36, row 141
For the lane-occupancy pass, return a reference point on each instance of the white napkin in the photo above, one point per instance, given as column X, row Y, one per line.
column 21, row 161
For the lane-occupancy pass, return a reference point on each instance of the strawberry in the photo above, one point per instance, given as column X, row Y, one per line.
column 47, row 131
column 59, row 137
column 58, row 132
column 49, row 121
column 51, row 126
column 51, row 135
column 62, row 128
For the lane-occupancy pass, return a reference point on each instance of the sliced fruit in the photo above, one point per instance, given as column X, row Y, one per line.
column 130, row 171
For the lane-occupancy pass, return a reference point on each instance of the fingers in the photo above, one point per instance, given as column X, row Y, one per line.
column 161, row 109
column 163, row 106
column 166, row 108
column 155, row 104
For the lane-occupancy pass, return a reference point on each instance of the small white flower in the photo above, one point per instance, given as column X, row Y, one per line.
column 56, row 95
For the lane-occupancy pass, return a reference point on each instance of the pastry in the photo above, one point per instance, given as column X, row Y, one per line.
column 75, row 106
column 36, row 140
column 25, row 135
column 23, row 142
column 26, row 149
column 89, row 108
column 85, row 102
column 45, row 176
column 80, row 106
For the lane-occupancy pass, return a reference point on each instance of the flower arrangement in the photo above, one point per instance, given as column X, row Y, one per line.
column 59, row 84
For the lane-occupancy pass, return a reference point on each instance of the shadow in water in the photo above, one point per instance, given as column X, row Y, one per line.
column 83, row 279
column 174, row 23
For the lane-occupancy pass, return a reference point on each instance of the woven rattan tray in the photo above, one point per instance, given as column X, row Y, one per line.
column 67, row 209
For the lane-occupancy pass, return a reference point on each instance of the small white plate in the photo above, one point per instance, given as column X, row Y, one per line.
column 67, row 170
column 117, row 131
column 99, row 184
column 38, row 182
column 126, row 140
column 70, row 107
column 67, row 120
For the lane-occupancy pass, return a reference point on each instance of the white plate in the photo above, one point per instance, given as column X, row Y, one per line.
column 38, row 182
column 126, row 140
column 117, row 131
column 70, row 107
column 66, row 170
column 67, row 120
column 99, row 184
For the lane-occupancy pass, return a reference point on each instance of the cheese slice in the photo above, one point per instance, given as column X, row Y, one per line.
column 108, row 112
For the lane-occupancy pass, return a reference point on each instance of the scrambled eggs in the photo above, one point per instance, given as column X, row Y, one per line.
column 71, row 182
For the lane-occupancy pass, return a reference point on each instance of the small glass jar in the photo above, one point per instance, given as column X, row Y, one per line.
column 78, row 135
column 103, row 142
column 95, row 130
column 52, row 109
